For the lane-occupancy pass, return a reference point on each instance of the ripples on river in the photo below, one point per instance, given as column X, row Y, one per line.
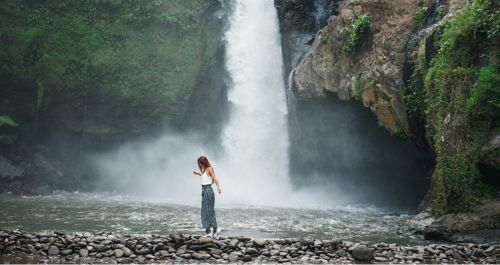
column 78, row 212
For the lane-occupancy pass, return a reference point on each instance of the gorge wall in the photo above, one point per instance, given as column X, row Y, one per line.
column 83, row 76
column 428, row 71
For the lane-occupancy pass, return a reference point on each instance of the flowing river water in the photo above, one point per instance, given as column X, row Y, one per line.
column 94, row 212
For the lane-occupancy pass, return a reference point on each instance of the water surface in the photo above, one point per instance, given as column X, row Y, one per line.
column 79, row 212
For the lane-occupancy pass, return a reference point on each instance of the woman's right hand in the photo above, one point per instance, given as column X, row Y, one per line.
column 196, row 173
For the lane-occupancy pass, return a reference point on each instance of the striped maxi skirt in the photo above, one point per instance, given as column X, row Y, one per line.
column 207, row 207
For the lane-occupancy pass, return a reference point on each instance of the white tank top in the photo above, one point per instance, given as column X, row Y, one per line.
column 205, row 179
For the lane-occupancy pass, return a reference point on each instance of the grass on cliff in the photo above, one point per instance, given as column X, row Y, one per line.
column 144, row 52
column 355, row 33
column 461, row 103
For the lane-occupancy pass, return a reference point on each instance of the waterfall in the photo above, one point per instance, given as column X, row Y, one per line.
column 255, row 139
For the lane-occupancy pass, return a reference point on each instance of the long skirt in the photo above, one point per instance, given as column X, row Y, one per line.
column 207, row 207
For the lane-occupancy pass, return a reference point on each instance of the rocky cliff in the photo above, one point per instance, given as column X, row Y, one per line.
column 82, row 76
column 370, row 70
column 428, row 70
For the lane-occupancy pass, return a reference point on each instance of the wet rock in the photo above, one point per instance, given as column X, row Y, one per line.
column 251, row 251
column 259, row 243
column 214, row 251
column 234, row 243
column 205, row 240
column 119, row 253
column 200, row 256
column 66, row 252
column 362, row 253
column 341, row 253
column 233, row 257
column 53, row 250
column 143, row 251
column 31, row 248
column 83, row 253
column 247, row 258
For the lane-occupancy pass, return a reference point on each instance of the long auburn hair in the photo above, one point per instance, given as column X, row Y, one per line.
column 203, row 163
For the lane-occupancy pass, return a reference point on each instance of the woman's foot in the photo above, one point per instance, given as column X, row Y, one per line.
column 208, row 233
column 215, row 235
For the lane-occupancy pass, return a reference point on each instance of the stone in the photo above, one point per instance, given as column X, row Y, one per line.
column 234, row 243
column 83, row 253
column 66, row 252
column 165, row 253
column 149, row 256
column 31, row 248
column 200, row 256
column 143, row 251
column 126, row 252
column 341, row 253
column 247, row 258
column 53, row 250
column 119, row 253
column 214, row 251
column 205, row 240
column 233, row 257
column 362, row 253
column 259, row 242
column 251, row 251
column 274, row 252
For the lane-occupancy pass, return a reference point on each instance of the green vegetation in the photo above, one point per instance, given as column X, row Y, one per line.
column 484, row 99
column 6, row 124
column 357, row 32
column 399, row 133
column 6, row 120
column 458, row 93
column 323, row 39
column 421, row 16
column 145, row 53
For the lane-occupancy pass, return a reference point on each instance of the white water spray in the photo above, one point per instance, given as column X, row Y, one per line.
column 254, row 167
column 255, row 139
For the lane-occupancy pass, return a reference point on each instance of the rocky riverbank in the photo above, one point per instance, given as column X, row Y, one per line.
column 55, row 247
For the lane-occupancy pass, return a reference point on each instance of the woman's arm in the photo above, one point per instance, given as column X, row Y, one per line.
column 211, row 173
column 196, row 173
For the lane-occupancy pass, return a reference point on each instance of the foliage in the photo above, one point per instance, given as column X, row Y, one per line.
column 323, row 39
column 459, row 92
column 421, row 16
column 7, row 121
column 360, row 28
column 484, row 100
column 413, row 97
column 142, row 52
column 399, row 132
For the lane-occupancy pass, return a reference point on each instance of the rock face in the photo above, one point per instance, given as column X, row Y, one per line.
column 135, row 76
column 481, row 225
column 371, row 72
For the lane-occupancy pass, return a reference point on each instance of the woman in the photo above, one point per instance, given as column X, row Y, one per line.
column 208, row 178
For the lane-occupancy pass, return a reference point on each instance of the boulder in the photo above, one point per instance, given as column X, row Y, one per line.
column 53, row 250
column 362, row 253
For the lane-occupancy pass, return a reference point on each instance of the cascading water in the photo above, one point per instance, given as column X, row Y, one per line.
column 255, row 139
